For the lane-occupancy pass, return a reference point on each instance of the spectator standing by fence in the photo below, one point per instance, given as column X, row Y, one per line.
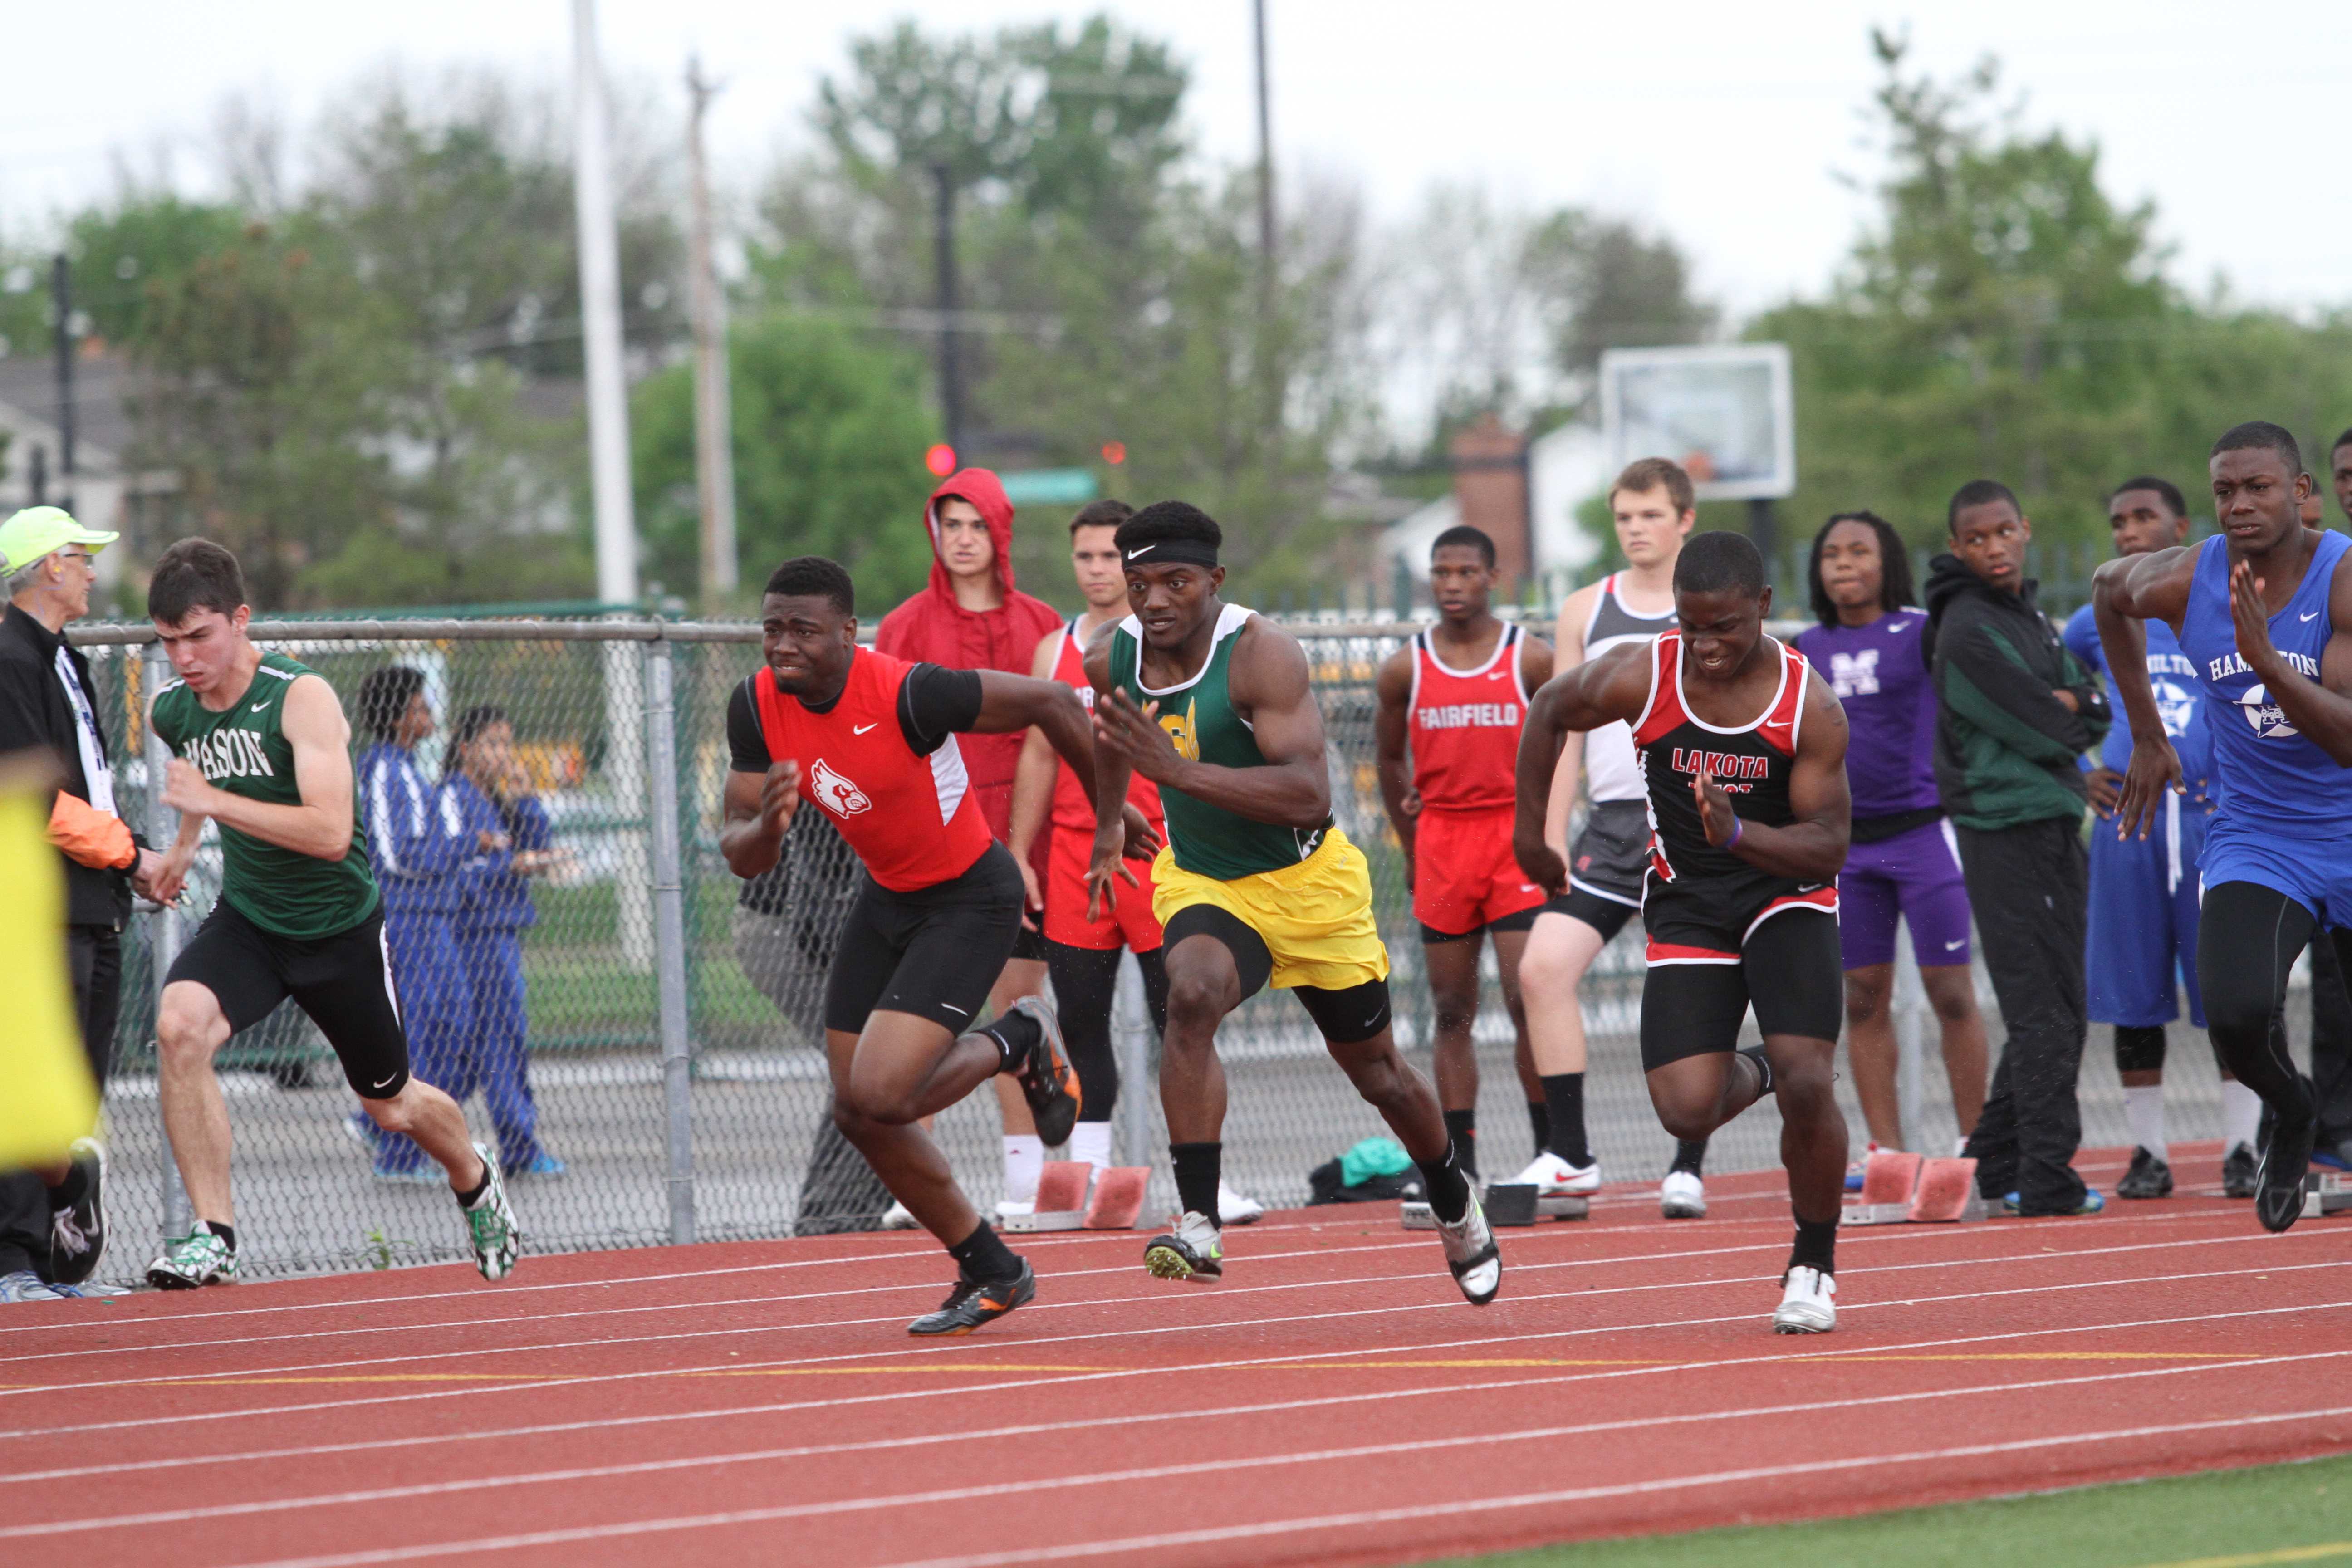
column 417, row 844
column 52, row 1221
column 2016, row 709
column 506, row 830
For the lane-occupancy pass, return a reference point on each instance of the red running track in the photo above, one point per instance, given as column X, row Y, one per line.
column 1334, row 1400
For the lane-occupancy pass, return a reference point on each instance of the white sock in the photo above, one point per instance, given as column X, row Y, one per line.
column 1091, row 1141
column 2242, row 1116
column 2143, row 1108
column 1024, row 1162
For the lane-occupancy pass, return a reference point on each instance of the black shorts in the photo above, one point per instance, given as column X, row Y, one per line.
column 1783, row 960
column 1029, row 942
column 1346, row 1016
column 1606, row 865
column 934, row 952
column 343, row 982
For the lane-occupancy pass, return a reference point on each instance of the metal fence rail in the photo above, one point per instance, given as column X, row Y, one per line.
column 673, row 1044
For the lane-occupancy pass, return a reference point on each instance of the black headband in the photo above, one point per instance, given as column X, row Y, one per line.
column 1171, row 552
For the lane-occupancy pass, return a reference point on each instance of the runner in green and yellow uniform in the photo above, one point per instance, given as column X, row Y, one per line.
column 1255, row 883
column 263, row 751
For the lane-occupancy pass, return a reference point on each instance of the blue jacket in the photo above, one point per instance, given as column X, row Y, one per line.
column 497, row 898
column 416, row 838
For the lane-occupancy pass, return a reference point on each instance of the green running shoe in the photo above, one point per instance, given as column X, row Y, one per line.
column 491, row 1223
column 190, row 1261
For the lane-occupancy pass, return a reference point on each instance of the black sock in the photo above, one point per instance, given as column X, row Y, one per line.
column 69, row 1192
column 468, row 1199
column 1539, row 1123
column 1763, row 1066
column 1462, row 1127
column 1198, row 1168
column 1564, row 1103
column 1816, row 1245
column 1448, row 1188
column 1689, row 1156
column 1015, row 1033
column 227, row 1233
column 982, row 1255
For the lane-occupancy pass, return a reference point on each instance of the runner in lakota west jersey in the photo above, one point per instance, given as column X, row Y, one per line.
column 2264, row 613
column 1458, row 694
column 1743, row 748
column 263, row 751
column 1212, row 704
column 872, row 741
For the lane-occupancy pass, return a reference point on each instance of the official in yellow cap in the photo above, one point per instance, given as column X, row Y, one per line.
column 53, row 1215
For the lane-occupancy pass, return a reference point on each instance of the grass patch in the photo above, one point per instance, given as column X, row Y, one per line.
column 2270, row 1514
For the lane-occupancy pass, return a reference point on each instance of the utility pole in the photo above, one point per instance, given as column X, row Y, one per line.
column 714, row 422
column 1265, row 168
column 950, row 376
column 600, row 319
column 61, row 296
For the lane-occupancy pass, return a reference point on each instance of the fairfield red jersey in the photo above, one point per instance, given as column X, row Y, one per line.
column 1465, row 727
column 913, row 820
column 1074, row 799
column 1752, row 761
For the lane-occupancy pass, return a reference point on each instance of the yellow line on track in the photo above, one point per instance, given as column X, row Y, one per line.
column 2255, row 1558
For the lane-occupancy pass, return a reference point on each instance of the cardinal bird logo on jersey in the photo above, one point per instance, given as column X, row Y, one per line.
column 835, row 793
column 1180, row 732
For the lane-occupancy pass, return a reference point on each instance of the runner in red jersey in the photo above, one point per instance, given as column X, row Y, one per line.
column 1743, row 749
column 1082, row 954
column 971, row 616
column 1458, row 694
column 872, row 742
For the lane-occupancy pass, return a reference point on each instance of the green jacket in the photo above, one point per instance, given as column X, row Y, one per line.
column 2005, row 746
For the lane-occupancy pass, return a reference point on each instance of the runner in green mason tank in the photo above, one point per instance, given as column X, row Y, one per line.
column 262, row 751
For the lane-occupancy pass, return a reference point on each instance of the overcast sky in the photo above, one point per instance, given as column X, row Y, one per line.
column 1724, row 124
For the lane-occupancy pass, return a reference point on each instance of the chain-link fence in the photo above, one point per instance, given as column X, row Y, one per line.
column 667, row 1029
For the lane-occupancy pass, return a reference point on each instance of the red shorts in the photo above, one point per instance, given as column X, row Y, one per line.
column 1463, row 877
column 1128, row 923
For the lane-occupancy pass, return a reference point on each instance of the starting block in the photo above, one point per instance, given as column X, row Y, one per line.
column 1903, row 1189
column 1071, row 1196
column 2327, row 1193
column 1508, row 1204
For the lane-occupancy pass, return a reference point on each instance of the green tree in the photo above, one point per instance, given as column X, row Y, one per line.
column 830, row 432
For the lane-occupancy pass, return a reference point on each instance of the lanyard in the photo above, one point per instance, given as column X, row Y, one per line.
column 94, row 770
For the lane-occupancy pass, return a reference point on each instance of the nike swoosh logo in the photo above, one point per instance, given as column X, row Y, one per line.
column 1499, row 674
column 1142, row 550
column 387, row 1080
column 2313, row 616
column 259, row 706
column 1955, row 946
column 953, row 1008
column 861, row 728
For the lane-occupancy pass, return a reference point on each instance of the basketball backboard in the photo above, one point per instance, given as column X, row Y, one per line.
column 1725, row 411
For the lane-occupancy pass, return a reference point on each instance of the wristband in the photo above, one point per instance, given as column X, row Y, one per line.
column 1738, row 826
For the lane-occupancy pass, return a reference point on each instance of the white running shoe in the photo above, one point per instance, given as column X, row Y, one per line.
column 1808, row 1303
column 896, row 1217
column 1237, row 1208
column 1471, row 1254
column 1553, row 1177
column 1682, row 1195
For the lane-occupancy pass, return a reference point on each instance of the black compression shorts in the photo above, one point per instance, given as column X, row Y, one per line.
column 1345, row 1017
column 934, row 952
column 1788, row 969
column 343, row 982
column 1606, row 916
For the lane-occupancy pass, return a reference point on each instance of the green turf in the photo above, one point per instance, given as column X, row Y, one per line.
column 2243, row 1514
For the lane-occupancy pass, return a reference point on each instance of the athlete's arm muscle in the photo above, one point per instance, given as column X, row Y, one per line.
column 1393, row 688
column 1561, row 805
column 321, row 825
column 2126, row 592
column 1267, row 680
column 1582, row 697
column 758, row 808
column 2321, row 708
column 1812, row 848
column 1010, row 703
column 1033, row 775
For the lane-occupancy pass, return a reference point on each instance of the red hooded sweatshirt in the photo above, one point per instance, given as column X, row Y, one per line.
column 932, row 627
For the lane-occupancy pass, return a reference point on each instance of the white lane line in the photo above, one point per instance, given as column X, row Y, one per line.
column 1027, row 1383
column 373, row 1330
column 1881, row 1237
column 1245, row 1531
column 411, row 1358
column 772, row 1455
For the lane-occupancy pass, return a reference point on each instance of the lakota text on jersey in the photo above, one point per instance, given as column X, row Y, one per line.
column 1724, row 766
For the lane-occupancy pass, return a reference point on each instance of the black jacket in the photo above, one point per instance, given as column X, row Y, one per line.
column 33, row 711
column 2005, row 747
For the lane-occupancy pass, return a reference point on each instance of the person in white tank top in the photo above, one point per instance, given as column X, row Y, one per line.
column 1653, row 509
